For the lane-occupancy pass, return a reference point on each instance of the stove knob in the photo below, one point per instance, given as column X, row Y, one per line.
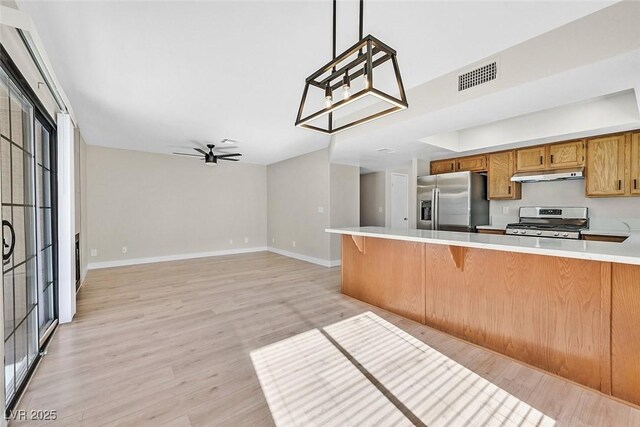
column 565, row 235
column 556, row 234
column 539, row 233
column 523, row 232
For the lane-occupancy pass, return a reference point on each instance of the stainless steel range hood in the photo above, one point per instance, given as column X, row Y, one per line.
column 555, row 175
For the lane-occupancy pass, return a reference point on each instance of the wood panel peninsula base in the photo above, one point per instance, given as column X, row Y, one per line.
column 577, row 318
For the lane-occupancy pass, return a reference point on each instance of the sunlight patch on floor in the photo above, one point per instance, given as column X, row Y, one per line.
column 308, row 381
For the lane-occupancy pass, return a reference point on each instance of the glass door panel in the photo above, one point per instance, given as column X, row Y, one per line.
column 46, row 283
column 20, row 254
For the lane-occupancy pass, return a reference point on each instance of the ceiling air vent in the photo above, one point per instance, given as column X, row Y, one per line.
column 476, row 77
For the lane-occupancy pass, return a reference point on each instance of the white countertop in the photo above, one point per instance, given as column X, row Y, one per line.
column 627, row 252
column 614, row 233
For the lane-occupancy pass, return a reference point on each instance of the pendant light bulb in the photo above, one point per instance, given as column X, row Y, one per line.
column 328, row 96
column 346, row 85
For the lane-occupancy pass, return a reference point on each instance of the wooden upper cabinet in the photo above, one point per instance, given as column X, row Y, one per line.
column 472, row 163
column 442, row 166
column 566, row 154
column 606, row 166
column 530, row 159
column 501, row 169
column 635, row 164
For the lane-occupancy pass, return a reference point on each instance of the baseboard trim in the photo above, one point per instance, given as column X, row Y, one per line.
column 313, row 260
column 150, row 260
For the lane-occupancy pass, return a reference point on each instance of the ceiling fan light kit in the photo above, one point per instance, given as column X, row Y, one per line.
column 360, row 60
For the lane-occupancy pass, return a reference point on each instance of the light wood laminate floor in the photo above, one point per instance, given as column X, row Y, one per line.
column 169, row 344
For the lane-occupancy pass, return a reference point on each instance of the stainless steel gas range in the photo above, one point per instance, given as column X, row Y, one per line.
column 560, row 223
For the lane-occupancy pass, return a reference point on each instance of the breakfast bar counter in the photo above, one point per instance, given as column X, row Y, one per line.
column 569, row 307
column 627, row 252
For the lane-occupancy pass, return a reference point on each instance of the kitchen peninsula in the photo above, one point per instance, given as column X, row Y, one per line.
column 569, row 307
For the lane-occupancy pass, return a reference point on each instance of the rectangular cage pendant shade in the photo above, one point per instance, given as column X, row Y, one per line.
column 358, row 63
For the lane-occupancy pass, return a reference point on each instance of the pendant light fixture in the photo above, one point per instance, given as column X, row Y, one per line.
column 355, row 64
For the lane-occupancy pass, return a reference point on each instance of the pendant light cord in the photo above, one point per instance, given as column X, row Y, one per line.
column 360, row 24
column 360, row 27
column 334, row 33
column 361, row 17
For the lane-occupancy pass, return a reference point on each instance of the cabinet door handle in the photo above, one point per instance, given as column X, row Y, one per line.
column 619, row 184
column 452, row 167
column 635, row 183
column 458, row 165
column 541, row 159
column 552, row 158
column 509, row 189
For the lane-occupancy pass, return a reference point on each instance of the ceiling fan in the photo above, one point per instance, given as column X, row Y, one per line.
column 211, row 158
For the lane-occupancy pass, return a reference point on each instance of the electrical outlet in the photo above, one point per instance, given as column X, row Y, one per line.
column 124, row 249
column 231, row 241
column 293, row 243
column 246, row 240
column 273, row 240
column 94, row 252
column 320, row 209
column 505, row 210
column 380, row 209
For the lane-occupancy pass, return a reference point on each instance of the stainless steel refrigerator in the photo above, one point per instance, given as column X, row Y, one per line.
column 453, row 201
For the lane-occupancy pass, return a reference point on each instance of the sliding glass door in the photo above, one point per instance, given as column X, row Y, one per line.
column 19, row 226
column 28, row 233
column 47, row 289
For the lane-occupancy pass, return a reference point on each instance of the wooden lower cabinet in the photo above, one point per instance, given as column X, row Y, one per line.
column 542, row 310
column 386, row 273
column 491, row 231
column 625, row 332
column 578, row 319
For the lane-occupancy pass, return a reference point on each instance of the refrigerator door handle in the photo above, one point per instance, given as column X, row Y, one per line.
column 435, row 196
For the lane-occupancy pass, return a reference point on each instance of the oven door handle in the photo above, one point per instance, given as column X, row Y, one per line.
column 7, row 255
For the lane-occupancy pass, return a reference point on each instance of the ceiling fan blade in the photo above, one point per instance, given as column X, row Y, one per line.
column 228, row 159
column 190, row 155
column 222, row 156
column 199, row 150
column 228, row 141
column 225, row 148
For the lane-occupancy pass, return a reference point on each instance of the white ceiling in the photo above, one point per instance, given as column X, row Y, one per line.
column 151, row 76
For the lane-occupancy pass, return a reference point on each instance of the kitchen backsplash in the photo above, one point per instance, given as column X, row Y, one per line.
column 609, row 213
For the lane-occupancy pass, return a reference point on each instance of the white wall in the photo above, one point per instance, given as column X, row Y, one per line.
column 80, row 185
column 298, row 205
column 604, row 213
column 84, row 230
column 344, row 203
column 372, row 199
column 306, row 195
column 164, row 206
